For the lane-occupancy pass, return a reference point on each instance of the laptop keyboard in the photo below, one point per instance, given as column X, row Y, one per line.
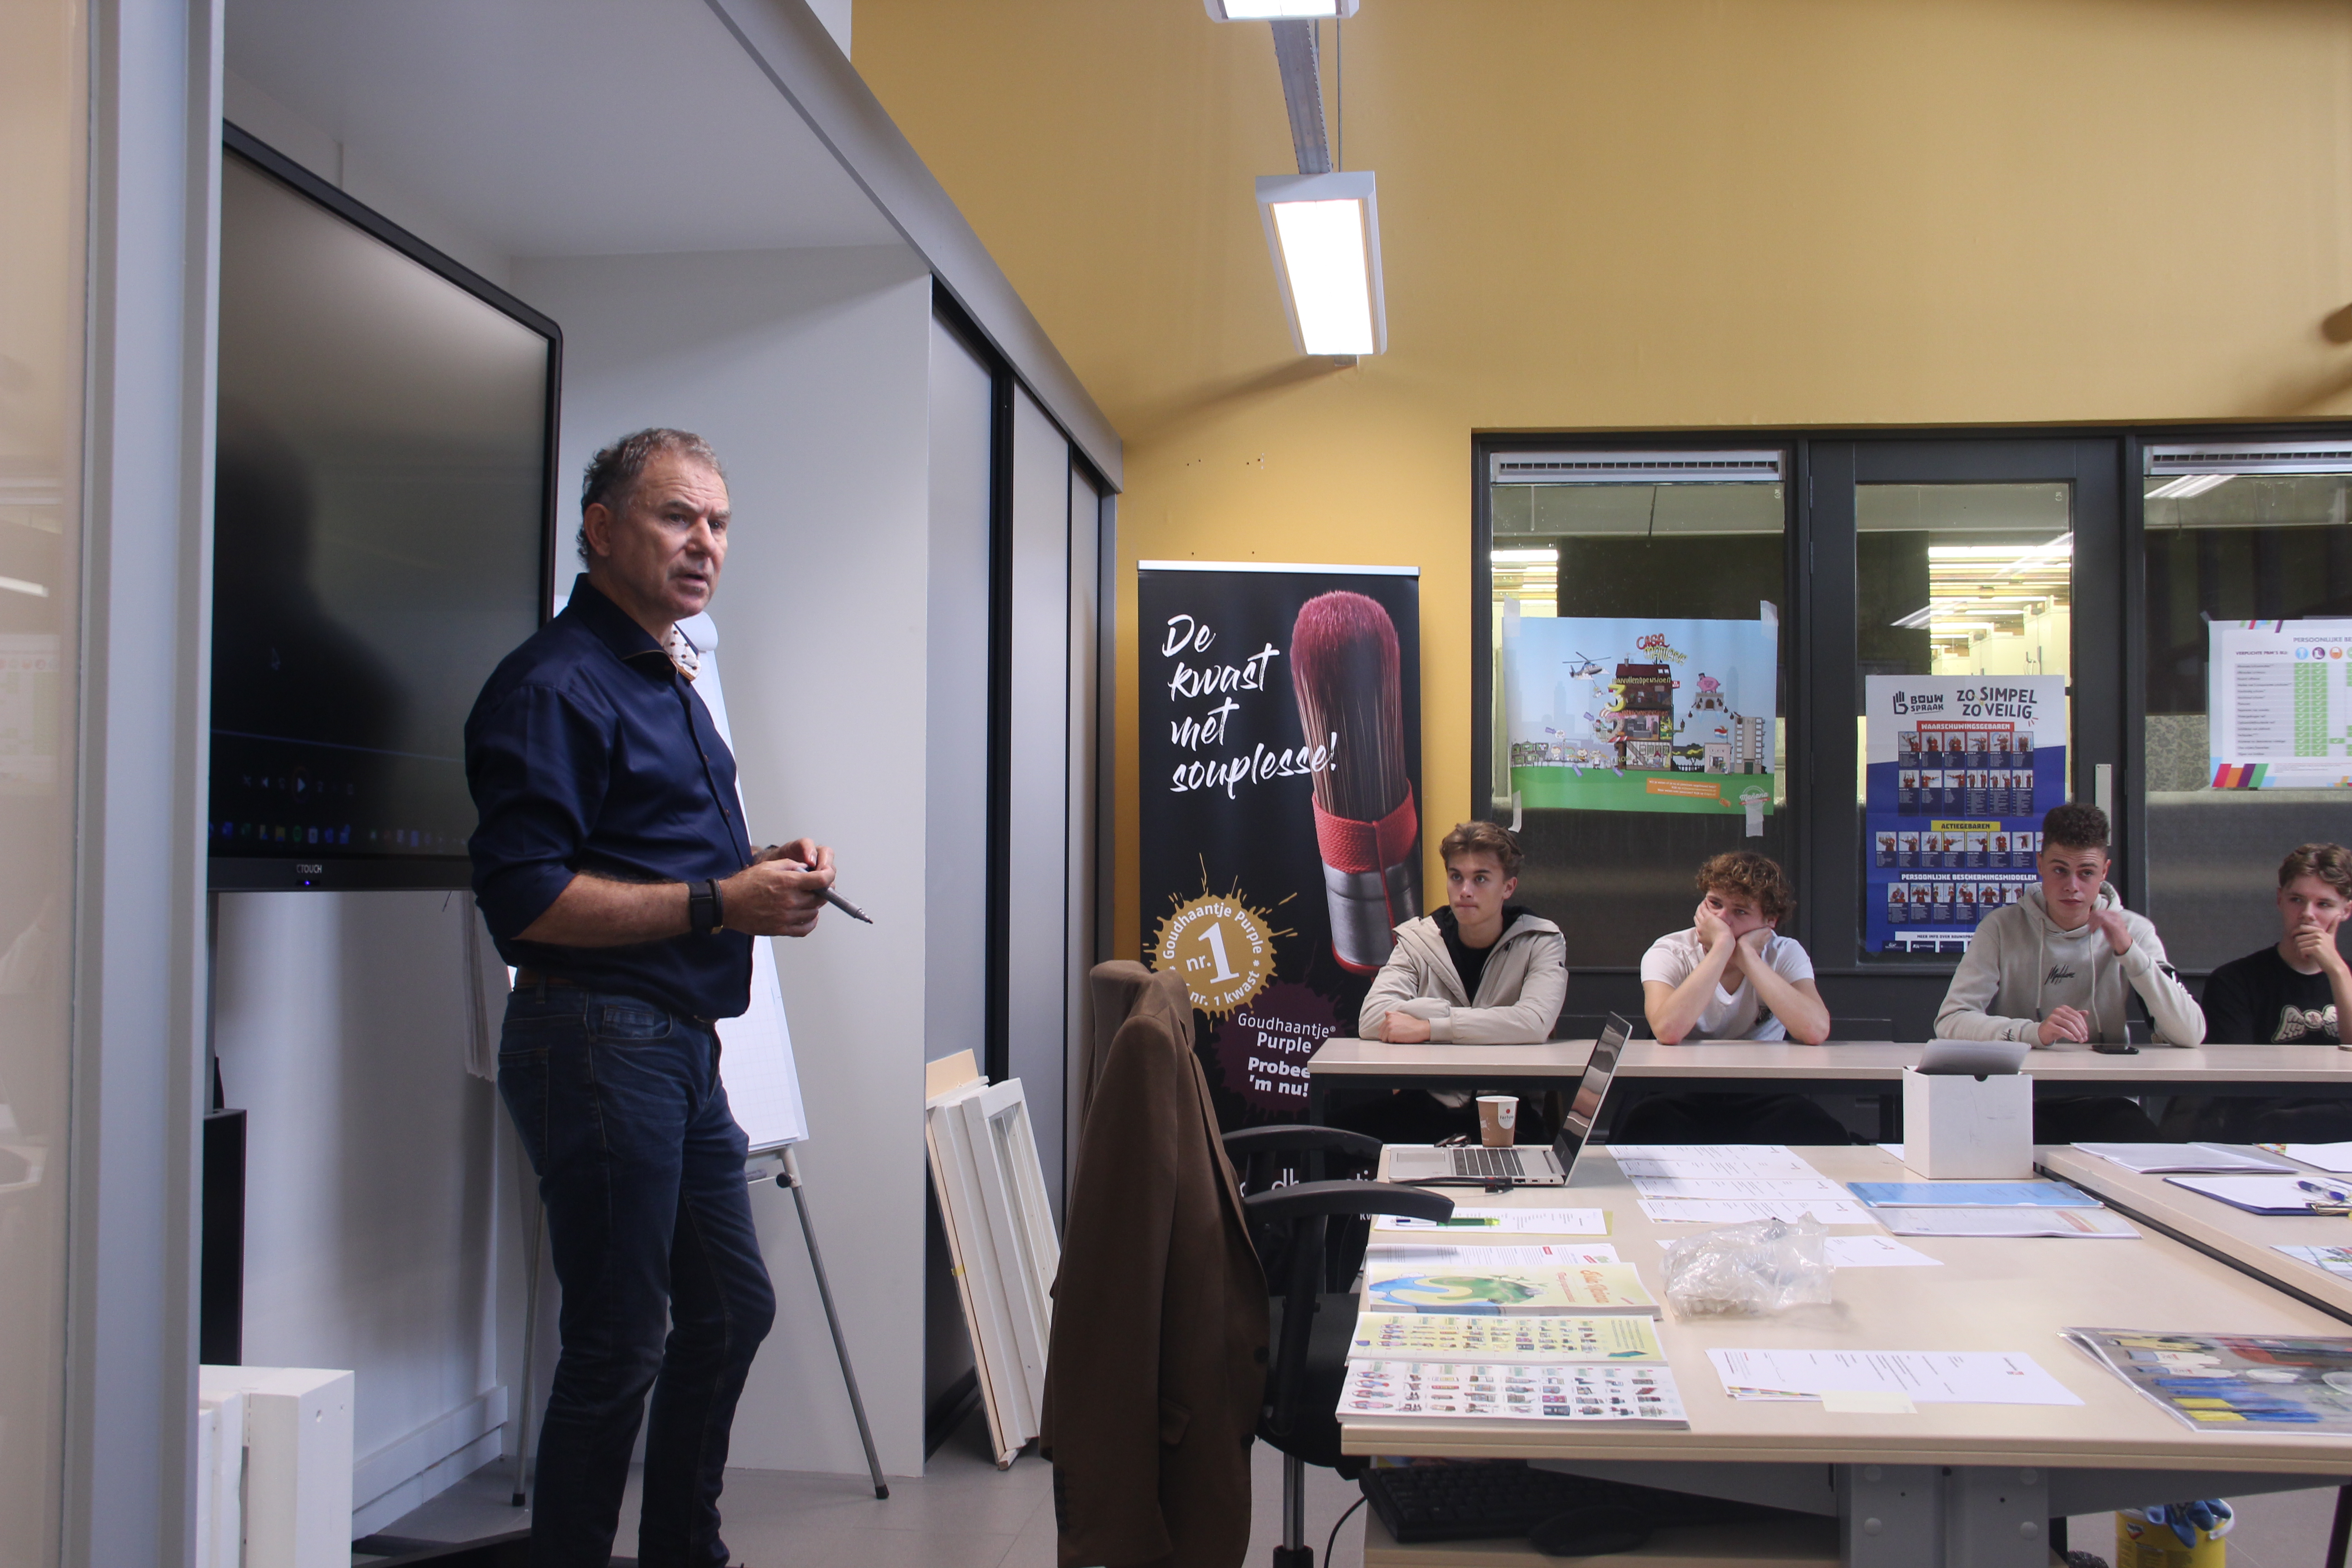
column 1493, row 1164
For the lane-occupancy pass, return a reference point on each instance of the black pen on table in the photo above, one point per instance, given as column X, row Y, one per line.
column 836, row 900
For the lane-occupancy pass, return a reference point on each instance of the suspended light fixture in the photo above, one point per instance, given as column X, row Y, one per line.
column 1278, row 10
column 1324, row 231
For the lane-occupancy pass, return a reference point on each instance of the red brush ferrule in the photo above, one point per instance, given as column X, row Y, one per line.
column 1350, row 846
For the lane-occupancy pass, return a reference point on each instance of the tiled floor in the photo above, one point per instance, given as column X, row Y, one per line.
column 965, row 1513
column 962, row 1514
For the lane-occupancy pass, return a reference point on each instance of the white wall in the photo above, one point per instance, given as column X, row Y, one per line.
column 372, row 1213
column 808, row 370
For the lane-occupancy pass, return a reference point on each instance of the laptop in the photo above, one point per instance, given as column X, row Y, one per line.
column 1525, row 1166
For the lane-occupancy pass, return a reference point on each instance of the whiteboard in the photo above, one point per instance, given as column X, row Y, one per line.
column 755, row 1057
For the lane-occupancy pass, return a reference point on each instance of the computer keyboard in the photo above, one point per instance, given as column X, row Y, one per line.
column 1494, row 1499
column 1494, row 1164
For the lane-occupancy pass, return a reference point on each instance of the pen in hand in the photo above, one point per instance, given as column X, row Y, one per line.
column 836, row 900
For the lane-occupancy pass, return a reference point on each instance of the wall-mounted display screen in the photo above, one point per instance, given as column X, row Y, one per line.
column 383, row 525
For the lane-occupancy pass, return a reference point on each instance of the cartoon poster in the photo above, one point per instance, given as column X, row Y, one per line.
column 1281, row 805
column 1960, row 769
column 1609, row 714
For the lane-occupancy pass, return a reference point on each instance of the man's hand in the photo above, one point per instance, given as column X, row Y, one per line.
column 1748, row 953
column 2109, row 923
column 2066, row 1023
column 781, row 892
column 1402, row 1029
column 1712, row 931
column 2315, row 946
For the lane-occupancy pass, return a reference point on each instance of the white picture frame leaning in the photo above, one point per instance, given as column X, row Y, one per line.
column 1000, row 1231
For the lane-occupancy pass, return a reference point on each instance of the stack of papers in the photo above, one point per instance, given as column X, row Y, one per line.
column 1724, row 1185
column 1972, row 1195
column 2165, row 1159
column 1627, row 1395
column 2336, row 1260
column 2008, row 1222
column 1898, row 1379
column 2258, row 1195
column 1536, row 1341
column 2334, row 1158
column 2228, row 1383
column 1431, row 1253
column 1466, row 1221
column 1412, row 1283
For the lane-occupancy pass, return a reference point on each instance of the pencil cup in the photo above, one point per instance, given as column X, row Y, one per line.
column 1498, row 1120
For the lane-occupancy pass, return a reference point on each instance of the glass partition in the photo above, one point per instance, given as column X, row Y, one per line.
column 2249, row 556
column 1640, row 679
column 1955, row 580
column 43, row 125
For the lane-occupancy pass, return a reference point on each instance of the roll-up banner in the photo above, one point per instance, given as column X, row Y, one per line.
column 1281, row 814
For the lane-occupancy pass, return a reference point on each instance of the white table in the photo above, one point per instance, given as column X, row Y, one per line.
column 1984, row 1479
column 1836, row 1067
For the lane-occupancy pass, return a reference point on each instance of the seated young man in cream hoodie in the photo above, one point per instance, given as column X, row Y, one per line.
column 1481, row 971
column 2060, row 965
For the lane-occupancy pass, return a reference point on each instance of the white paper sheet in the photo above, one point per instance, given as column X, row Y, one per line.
column 2334, row 1158
column 1877, row 1252
column 1422, row 1254
column 1471, row 1222
column 2256, row 1195
column 2091, row 1222
column 1927, row 1377
column 1732, row 1211
column 1770, row 1189
column 1644, row 1394
column 1710, row 1161
column 2163, row 1159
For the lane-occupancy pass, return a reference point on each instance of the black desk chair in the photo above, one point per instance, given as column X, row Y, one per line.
column 1314, row 1316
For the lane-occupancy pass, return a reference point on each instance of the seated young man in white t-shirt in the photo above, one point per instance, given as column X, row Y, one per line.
column 1733, row 976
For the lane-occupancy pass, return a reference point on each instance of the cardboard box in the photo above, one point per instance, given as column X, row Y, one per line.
column 1959, row 1127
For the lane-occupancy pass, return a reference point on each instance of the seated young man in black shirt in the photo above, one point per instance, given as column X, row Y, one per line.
column 2299, row 990
column 2296, row 991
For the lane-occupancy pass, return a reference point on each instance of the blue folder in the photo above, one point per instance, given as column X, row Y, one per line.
column 1972, row 1196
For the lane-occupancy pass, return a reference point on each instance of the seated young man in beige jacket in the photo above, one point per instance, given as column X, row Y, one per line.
column 1481, row 971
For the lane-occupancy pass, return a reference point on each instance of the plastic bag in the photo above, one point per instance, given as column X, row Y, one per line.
column 1749, row 1271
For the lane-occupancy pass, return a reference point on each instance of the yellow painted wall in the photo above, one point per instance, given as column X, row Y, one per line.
column 1636, row 212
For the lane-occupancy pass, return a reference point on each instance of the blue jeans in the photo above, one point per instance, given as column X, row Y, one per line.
column 640, row 1164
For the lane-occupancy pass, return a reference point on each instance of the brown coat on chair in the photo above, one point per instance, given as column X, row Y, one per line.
column 1158, row 1365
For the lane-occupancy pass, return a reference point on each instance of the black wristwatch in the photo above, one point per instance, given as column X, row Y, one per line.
column 704, row 910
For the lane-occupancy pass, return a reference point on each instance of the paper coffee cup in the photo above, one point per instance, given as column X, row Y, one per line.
column 1498, row 1120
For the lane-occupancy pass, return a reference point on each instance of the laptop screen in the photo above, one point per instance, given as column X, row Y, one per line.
column 1584, row 1108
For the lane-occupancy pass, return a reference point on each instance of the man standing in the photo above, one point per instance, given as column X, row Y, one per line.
column 614, row 871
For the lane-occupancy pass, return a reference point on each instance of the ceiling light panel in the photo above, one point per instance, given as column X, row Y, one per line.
column 1278, row 10
column 1324, row 233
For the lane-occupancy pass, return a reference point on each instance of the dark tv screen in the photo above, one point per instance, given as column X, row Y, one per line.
column 382, row 518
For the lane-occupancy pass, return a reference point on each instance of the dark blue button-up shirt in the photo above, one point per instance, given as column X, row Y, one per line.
column 587, row 752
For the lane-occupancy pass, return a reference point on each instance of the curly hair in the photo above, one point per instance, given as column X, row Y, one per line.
column 1759, row 877
column 611, row 474
column 2074, row 825
column 1482, row 839
column 2331, row 863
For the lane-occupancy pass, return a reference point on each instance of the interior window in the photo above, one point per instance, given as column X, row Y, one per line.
column 1640, row 679
column 2248, row 553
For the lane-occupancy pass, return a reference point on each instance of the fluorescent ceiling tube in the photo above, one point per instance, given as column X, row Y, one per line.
column 1325, row 233
column 1277, row 10
column 2189, row 485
